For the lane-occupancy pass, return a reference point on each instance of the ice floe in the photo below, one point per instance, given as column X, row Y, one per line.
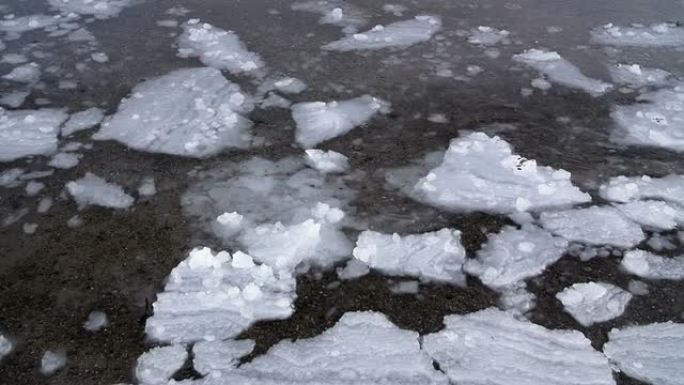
column 596, row 225
column 29, row 132
column 650, row 353
column 656, row 215
column 669, row 188
column 398, row 34
column 64, row 160
column 484, row 35
column 594, row 302
column 52, row 362
column 147, row 187
column 99, row 8
column 93, row 190
column 492, row 347
column 434, row 256
column 216, row 48
column 215, row 296
column 210, row 357
column 192, row 112
column 157, row 365
column 26, row 73
column 82, row 120
column 655, row 35
column 638, row 76
column 321, row 121
column 561, row 71
column 326, row 161
column 335, row 12
column 480, row 173
column 648, row 265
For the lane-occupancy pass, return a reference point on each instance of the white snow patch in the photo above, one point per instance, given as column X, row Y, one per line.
column 594, row 302
column 656, row 35
column 648, row 265
column 29, row 132
column 157, row 365
column 93, row 190
column 82, row 120
column 398, row 34
column 327, row 161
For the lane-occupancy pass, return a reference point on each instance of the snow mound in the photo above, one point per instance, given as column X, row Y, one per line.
column 487, row 36
column 216, row 48
column 398, row 34
column 594, row 225
column 656, row 35
column 82, row 120
column 191, row 112
column 491, row 347
column 157, row 365
column 335, row 12
column 594, row 302
column 561, row 71
column 648, row 265
column 480, row 173
column 637, row 76
column 326, row 162
column 650, row 353
column 209, row 297
column 669, row 188
column 514, row 255
column 320, row 121
column 101, row 9
column 29, row 132
column 93, row 190
column 434, row 256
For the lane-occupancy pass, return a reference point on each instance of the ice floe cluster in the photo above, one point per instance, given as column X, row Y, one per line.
column 656, row 35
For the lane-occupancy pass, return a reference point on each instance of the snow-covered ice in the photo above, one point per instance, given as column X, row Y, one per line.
column 82, row 120
column 64, row 160
column 398, row 34
column 157, row 365
column 648, row 265
column 434, row 256
column 669, row 188
column 484, row 35
column 192, row 112
column 26, row 73
column 320, row 121
column 513, row 255
column 99, row 8
column 52, row 361
column 216, row 48
column 93, row 190
column 491, row 347
column 655, row 35
column 215, row 296
column 650, row 353
column 596, row 225
column 480, row 173
column 561, row 71
column 326, row 161
column 657, row 215
column 638, row 76
column 594, row 302
column 29, row 132
column 96, row 321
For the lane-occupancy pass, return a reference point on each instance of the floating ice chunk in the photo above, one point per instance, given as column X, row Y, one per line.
column 33, row 188
column 51, row 362
column 492, row 347
column 653, row 214
column 14, row 99
column 210, row 297
column 29, row 132
column 650, row 353
column 335, row 12
column 289, row 85
column 6, row 346
column 82, row 120
column 434, row 256
column 99, row 57
column 561, row 71
column 480, row 173
column 320, row 121
column 655, row 121
column 101, row 9
column 96, row 321
column 190, row 112
column 405, row 287
column 216, row 48
column 353, row 269
column 362, row 348
column 648, row 265
column 517, row 299
column 327, row 161
column 157, row 365
column 274, row 100
column 147, row 187
column 637, row 76
column 398, row 34
column 669, row 188
column 217, row 356
column 656, row 35
column 27, row 73
column 93, row 190
column 595, row 225
column 488, row 36
column 514, row 255
column 28, row 23
column 594, row 302
column 11, row 177
column 64, row 160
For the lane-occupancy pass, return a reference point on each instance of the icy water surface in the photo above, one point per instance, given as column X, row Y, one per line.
column 341, row 192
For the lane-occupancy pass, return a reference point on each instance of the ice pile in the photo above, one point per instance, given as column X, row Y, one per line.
column 650, row 353
column 101, row 9
column 483, row 35
column 656, row 35
column 657, row 120
column 29, row 132
column 326, row 161
column 320, row 121
column 335, row 12
column 491, row 347
column 637, row 76
column 480, row 173
column 669, row 188
column 398, row 34
column 156, row 366
column 648, row 265
column 561, row 71
column 216, row 48
column 594, row 302
column 434, row 256
column 93, row 190
column 191, row 112
column 82, row 120
column 215, row 296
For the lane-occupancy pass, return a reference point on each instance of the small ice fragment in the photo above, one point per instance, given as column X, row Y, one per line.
column 147, row 187
column 594, row 302
column 64, row 160
column 33, row 188
column 6, row 346
column 29, row 132
column 398, row 34
column 157, row 365
column 52, row 361
column 405, row 287
column 353, row 269
column 648, row 265
column 96, row 321
column 326, row 161
column 82, row 120
column 93, row 190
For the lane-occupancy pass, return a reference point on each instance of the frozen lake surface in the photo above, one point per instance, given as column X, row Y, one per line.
column 344, row 192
